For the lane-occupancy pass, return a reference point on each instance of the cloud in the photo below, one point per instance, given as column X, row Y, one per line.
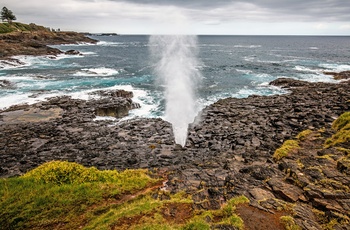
column 345, row 27
column 333, row 10
column 155, row 15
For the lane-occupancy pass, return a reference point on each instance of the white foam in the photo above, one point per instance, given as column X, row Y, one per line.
column 18, row 78
column 317, row 78
column 17, row 99
column 65, row 56
column 247, row 46
column 75, row 44
column 97, row 72
column 262, row 89
column 106, row 43
column 19, row 62
column 16, row 62
column 88, row 53
column 336, row 67
column 313, row 48
column 249, row 58
column 244, row 71
column 263, row 75
column 306, row 69
column 99, row 118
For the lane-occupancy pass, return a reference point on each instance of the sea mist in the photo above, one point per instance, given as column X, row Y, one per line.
column 175, row 65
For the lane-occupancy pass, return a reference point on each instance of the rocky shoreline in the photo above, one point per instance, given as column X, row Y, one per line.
column 37, row 43
column 229, row 150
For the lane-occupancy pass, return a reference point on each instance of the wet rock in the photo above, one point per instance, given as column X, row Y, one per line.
column 339, row 76
column 72, row 52
column 5, row 84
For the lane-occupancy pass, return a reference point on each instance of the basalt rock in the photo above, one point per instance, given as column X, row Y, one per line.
column 72, row 52
column 228, row 152
column 339, row 76
column 115, row 108
column 5, row 84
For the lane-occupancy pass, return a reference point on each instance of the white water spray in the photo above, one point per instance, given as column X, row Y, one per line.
column 176, row 62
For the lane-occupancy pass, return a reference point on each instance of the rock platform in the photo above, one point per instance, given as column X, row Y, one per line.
column 229, row 150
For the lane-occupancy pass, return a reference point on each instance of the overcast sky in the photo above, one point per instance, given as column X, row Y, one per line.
column 250, row 17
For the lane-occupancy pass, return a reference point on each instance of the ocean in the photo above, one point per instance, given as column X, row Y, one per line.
column 229, row 66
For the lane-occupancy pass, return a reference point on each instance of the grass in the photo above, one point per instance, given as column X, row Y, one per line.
column 64, row 195
column 17, row 26
column 287, row 147
column 46, row 197
column 289, row 223
column 304, row 134
column 342, row 128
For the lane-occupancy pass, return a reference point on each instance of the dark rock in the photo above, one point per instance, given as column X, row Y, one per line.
column 36, row 43
column 261, row 194
column 72, row 52
column 339, row 76
column 288, row 83
column 5, row 84
column 285, row 190
column 228, row 152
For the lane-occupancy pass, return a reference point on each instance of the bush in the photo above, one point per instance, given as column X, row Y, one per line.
column 342, row 122
column 287, row 147
column 342, row 128
column 61, row 172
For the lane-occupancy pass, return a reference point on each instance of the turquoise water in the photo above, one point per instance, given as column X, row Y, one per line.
column 231, row 66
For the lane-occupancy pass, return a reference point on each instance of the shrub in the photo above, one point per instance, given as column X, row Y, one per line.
column 304, row 134
column 342, row 128
column 287, row 147
column 342, row 122
column 289, row 223
column 62, row 172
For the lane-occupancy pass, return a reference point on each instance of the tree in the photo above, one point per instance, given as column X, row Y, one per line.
column 7, row 15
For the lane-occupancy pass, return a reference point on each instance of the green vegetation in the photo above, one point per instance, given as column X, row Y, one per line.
column 342, row 128
column 46, row 197
column 290, row 146
column 20, row 27
column 7, row 15
column 63, row 195
column 225, row 216
column 342, row 122
column 287, row 147
column 289, row 223
column 304, row 134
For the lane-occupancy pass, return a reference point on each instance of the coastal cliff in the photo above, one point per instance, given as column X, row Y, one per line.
column 23, row 39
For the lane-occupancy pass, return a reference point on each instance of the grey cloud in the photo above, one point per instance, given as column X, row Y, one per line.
column 309, row 10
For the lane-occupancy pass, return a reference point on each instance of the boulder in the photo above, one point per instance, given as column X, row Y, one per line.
column 72, row 52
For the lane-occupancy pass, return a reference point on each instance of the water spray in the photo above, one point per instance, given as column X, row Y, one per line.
column 176, row 62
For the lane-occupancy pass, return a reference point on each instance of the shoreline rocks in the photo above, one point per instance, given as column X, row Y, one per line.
column 229, row 150
column 5, row 84
column 37, row 43
column 344, row 75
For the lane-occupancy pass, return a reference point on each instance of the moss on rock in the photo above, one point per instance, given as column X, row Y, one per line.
column 287, row 147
